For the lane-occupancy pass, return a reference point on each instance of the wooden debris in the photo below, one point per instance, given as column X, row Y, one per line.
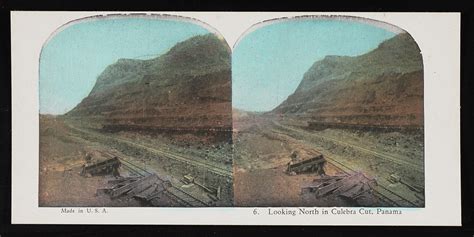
column 109, row 166
column 312, row 165
column 123, row 180
column 187, row 179
column 134, row 186
column 394, row 178
column 143, row 188
column 348, row 186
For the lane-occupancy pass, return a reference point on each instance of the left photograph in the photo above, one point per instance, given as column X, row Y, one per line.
column 135, row 111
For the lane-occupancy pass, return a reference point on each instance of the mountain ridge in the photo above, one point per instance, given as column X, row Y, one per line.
column 187, row 87
column 381, row 87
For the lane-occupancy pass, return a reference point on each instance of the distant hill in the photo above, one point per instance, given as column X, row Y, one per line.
column 381, row 87
column 187, row 87
column 238, row 113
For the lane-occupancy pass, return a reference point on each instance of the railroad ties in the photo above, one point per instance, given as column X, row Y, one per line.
column 184, row 198
column 382, row 190
column 213, row 168
column 147, row 187
column 352, row 187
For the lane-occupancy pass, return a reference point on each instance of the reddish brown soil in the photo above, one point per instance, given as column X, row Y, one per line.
column 263, row 146
column 394, row 99
column 273, row 187
column 63, row 151
column 61, row 157
column 260, row 161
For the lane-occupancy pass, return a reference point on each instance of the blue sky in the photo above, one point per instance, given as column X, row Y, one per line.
column 269, row 62
column 73, row 59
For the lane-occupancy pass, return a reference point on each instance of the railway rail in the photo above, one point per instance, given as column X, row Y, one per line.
column 176, row 194
column 205, row 165
column 381, row 190
column 184, row 197
column 388, row 157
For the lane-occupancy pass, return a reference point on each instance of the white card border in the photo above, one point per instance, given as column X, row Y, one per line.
column 437, row 34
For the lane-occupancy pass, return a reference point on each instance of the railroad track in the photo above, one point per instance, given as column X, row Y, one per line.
column 184, row 198
column 134, row 168
column 385, row 156
column 174, row 193
column 381, row 190
column 207, row 166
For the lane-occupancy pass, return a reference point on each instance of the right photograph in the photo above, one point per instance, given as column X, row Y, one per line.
column 328, row 111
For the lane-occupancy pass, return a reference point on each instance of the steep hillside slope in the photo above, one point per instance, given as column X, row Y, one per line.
column 382, row 87
column 188, row 88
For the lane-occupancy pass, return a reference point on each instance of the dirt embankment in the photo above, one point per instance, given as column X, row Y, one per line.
column 63, row 148
column 261, row 155
column 61, row 159
column 263, row 146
